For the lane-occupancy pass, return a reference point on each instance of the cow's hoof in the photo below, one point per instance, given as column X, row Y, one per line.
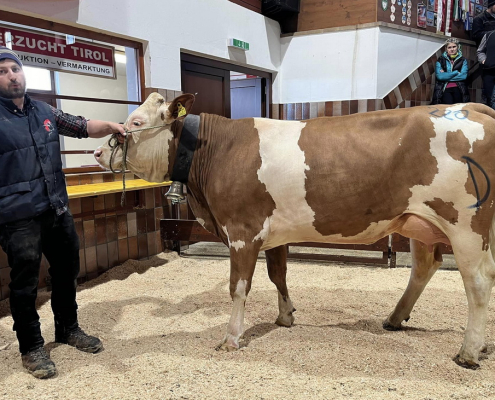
column 389, row 327
column 465, row 363
column 285, row 320
column 225, row 346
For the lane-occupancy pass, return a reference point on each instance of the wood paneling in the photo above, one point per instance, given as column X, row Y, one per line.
column 384, row 16
column 253, row 5
column 322, row 14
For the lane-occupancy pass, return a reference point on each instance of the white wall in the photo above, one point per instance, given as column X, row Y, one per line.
column 400, row 53
column 202, row 26
column 350, row 65
column 343, row 65
column 328, row 66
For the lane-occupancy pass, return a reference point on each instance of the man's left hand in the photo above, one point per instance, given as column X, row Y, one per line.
column 98, row 129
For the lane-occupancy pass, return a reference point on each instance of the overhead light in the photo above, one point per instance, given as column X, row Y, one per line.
column 120, row 58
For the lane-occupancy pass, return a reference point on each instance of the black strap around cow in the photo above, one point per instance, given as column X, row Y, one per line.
column 185, row 151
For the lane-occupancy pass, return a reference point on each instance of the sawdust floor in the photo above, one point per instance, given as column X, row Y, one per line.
column 160, row 320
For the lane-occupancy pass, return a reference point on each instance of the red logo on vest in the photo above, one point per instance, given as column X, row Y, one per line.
column 48, row 126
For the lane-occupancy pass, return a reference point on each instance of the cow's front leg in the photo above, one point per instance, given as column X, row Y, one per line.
column 424, row 266
column 242, row 264
column 276, row 262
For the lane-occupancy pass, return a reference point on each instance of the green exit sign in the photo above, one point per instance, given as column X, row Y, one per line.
column 239, row 44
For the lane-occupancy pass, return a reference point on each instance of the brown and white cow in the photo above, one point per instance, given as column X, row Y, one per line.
column 259, row 183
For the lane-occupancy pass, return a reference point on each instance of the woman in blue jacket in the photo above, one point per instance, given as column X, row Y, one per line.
column 451, row 72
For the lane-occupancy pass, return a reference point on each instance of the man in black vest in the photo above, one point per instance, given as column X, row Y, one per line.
column 484, row 23
column 34, row 218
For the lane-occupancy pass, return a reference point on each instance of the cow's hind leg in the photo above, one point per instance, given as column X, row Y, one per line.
column 276, row 261
column 478, row 277
column 424, row 266
column 242, row 264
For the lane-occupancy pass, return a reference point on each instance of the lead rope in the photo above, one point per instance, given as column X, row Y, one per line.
column 114, row 144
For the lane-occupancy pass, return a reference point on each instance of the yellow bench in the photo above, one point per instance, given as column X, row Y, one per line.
column 95, row 189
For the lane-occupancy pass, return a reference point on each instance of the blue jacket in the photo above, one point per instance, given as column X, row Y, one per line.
column 32, row 180
column 452, row 75
column 456, row 72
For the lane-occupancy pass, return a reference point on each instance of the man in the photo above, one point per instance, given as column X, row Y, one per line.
column 486, row 57
column 484, row 23
column 34, row 218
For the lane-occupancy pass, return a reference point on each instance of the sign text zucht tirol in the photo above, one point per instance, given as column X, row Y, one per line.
column 50, row 51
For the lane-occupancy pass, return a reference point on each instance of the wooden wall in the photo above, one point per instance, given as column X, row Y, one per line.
column 322, row 14
column 384, row 16
column 253, row 5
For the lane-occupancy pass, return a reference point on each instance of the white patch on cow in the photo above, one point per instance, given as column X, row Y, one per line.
column 236, row 324
column 240, row 290
column 201, row 221
column 400, row 141
column 282, row 171
column 238, row 244
column 449, row 183
column 456, row 119
column 264, row 231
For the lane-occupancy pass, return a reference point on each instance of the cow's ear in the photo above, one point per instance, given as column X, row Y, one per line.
column 181, row 106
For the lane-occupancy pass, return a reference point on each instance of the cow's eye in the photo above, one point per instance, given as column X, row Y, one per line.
column 135, row 123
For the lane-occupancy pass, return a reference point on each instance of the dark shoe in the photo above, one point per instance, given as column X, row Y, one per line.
column 38, row 363
column 80, row 340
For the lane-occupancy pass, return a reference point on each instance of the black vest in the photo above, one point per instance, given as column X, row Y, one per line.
column 31, row 180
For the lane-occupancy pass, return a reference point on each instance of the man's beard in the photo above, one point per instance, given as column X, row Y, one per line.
column 13, row 93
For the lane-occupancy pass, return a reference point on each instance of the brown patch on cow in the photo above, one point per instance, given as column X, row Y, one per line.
column 162, row 116
column 223, row 183
column 365, row 162
column 482, row 153
column 444, row 209
column 457, row 145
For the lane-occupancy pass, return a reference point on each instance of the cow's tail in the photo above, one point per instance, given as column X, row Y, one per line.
column 481, row 108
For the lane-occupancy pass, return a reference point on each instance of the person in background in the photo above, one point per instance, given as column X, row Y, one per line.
column 486, row 57
column 451, row 71
column 34, row 217
column 484, row 23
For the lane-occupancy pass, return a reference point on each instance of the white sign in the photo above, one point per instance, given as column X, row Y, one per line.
column 53, row 52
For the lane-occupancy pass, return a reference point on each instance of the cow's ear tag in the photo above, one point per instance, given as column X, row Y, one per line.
column 182, row 110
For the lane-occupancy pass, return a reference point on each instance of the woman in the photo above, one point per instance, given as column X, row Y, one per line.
column 451, row 73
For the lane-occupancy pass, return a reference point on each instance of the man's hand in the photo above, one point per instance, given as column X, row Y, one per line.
column 99, row 129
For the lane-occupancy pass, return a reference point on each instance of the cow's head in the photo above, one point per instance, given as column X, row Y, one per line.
column 149, row 150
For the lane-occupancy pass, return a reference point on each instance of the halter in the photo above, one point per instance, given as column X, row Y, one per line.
column 114, row 144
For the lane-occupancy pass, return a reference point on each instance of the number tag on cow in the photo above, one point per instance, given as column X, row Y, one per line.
column 182, row 110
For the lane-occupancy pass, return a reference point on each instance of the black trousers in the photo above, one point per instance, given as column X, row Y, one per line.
column 452, row 95
column 24, row 242
column 488, row 77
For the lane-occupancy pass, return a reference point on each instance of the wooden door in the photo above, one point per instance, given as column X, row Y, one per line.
column 211, row 87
